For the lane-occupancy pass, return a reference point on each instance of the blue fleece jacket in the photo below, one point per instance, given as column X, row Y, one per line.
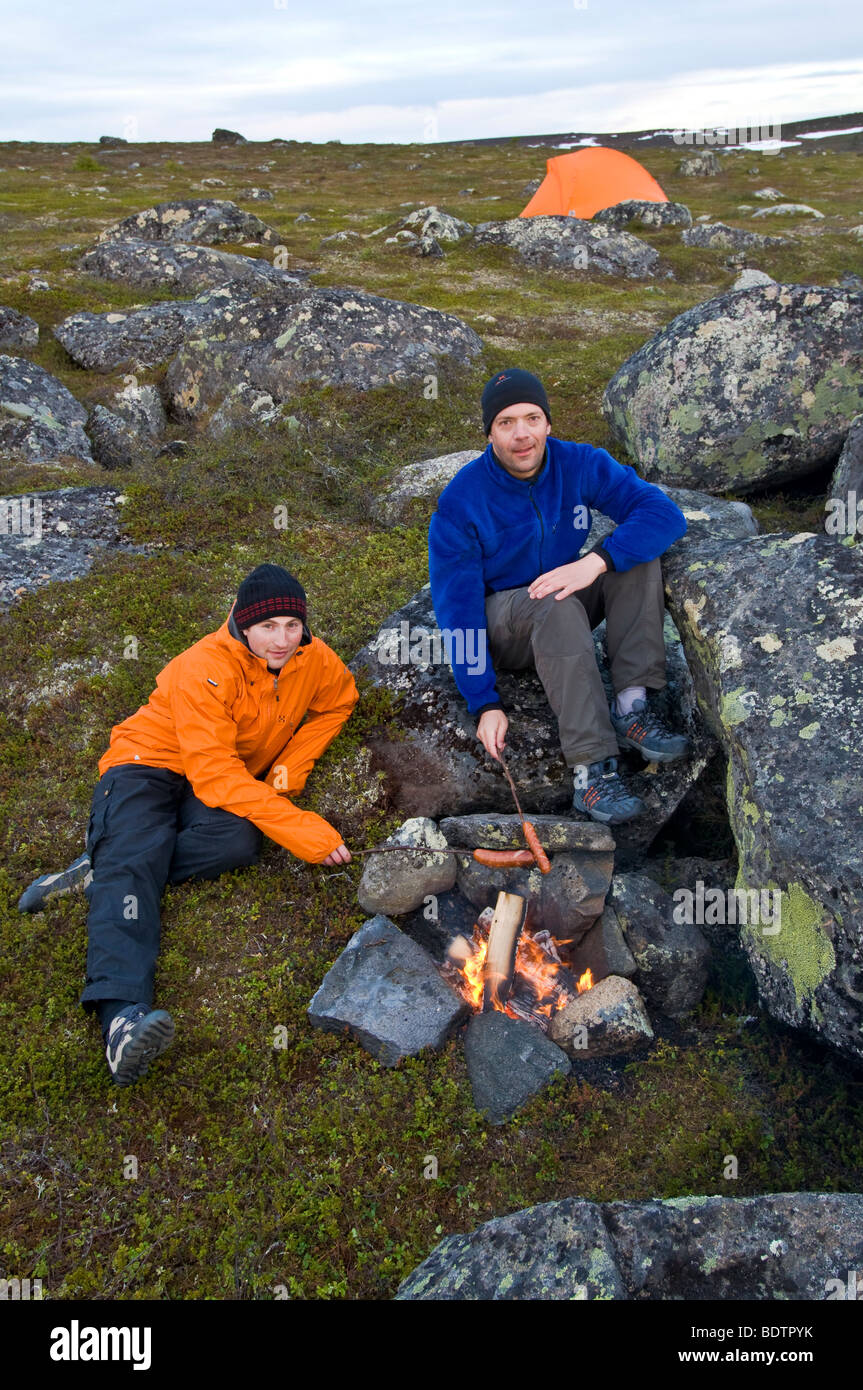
column 492, row 531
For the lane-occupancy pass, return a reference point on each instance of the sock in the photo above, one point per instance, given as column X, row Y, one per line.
column 625, row 699
column 108, row 1009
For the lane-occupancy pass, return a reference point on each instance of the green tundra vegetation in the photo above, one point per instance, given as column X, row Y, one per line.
column 302, row 1170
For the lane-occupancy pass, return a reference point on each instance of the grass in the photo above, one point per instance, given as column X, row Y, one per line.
column 239, row 1167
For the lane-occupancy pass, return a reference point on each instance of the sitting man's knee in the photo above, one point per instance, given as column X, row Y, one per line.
column 245, row 845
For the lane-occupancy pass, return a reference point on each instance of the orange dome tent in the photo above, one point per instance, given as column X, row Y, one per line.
column 580, row 183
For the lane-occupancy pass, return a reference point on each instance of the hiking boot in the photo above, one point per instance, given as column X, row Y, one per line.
column 644, row 730
column 136, row 1036
column 600, row 794
column 34, row 898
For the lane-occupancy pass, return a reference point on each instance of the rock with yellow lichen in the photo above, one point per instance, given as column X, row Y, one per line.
column 772, row 627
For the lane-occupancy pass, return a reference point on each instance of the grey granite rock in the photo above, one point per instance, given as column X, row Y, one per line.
column 672, row 957
column 396, row 883
column 386, row 992
column 508, row 1061
column 604, row 1021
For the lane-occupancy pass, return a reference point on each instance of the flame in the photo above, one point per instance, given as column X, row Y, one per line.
column 537, row 964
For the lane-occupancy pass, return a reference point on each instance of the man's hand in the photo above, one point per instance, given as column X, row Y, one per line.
column 566, row 579
column 491, row 730
column 341, row 855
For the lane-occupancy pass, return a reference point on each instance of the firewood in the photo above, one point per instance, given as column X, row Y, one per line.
column 509, row 917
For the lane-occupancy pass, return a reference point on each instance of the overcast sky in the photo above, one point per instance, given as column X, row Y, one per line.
column 374, row 70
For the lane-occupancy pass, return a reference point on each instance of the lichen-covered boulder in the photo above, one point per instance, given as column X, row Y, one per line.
column 115, row 444
column 186, row 268
column 433, row 222
column 720, row 237
column 773, row 632
column 40, row 420
column 205, row 220
column 620, row 215
column 141, row 338
column 780, row 1246
column 141, row 407
column 17, row 330
column 571, row 244
column 422, row 481
column 844, row 503
column 701, row 164
column 53, row 536
column 332, row 337
column 752, row 387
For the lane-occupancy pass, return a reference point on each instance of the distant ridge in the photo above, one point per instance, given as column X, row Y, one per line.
column 661, row 139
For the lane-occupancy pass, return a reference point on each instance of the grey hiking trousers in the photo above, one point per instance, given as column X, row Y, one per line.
column 554, row 636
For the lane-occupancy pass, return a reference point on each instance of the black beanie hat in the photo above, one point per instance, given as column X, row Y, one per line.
column 270, row 592
column 512, row 386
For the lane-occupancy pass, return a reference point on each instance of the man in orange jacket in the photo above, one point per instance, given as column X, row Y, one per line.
column 189, row 785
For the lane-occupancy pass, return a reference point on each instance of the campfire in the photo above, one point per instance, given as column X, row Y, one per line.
column 517, row 972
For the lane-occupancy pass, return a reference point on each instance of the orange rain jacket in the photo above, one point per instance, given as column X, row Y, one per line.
column 220, row 717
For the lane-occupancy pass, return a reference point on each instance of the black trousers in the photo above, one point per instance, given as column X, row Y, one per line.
column 147, row 828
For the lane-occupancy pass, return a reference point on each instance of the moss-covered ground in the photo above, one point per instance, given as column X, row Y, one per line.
column 306, row 1168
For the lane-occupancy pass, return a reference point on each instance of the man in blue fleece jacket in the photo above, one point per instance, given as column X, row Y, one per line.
column 505, row 577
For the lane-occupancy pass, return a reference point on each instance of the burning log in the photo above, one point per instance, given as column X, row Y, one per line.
column 509, row 916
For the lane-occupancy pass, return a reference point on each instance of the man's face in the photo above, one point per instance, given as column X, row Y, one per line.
column 276, row 639
column 518, row 434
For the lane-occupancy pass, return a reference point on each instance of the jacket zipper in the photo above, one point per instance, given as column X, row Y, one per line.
column 541, row 526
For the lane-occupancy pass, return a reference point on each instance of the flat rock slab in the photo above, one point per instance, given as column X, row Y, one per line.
column 205, row 220
column 508, row 1061
column 754, row 387
column 40, row 420
column 386, row 992
column 780, row 1246
column 572, row 244
column 146, row 336
column 606, row 1020
column 718, row 236
column 485, row 831
column 50, row 536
